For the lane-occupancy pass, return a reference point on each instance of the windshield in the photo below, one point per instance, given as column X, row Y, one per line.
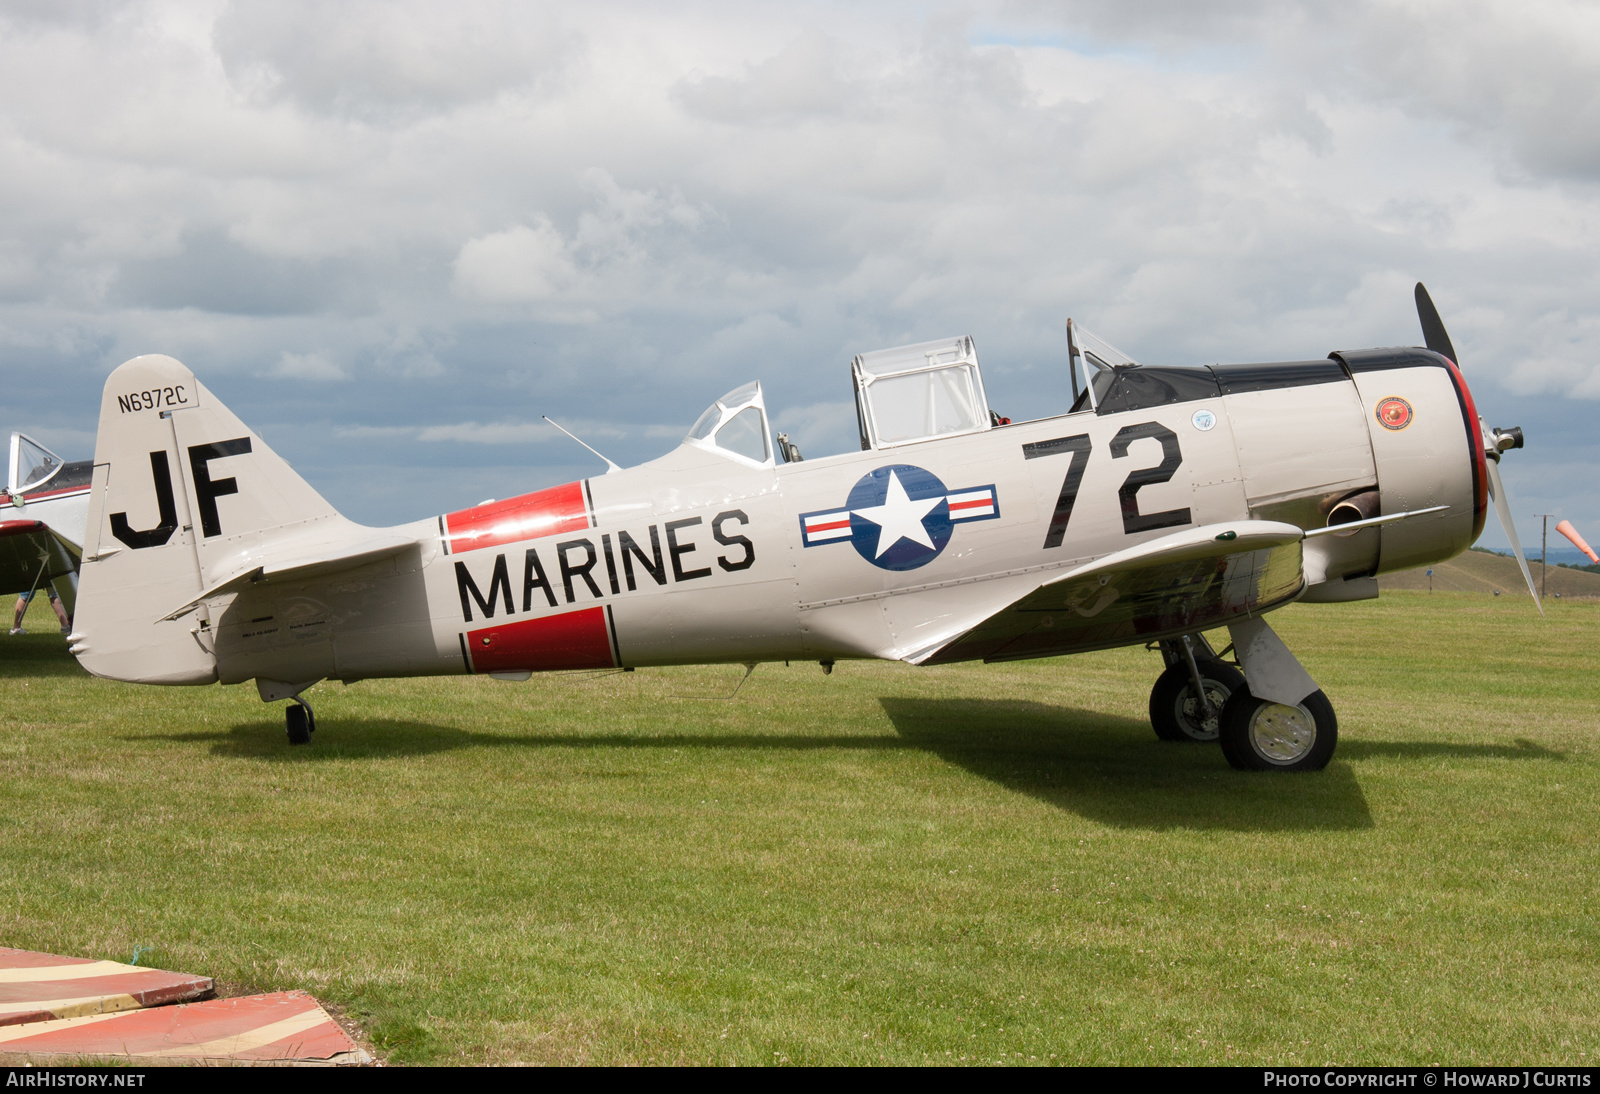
column 32, row 464
column 925, row 404
column 919, row 392
column 1093, row 363
column 735, row 423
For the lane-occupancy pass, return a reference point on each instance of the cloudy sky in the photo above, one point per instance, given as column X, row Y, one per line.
column 391, row 236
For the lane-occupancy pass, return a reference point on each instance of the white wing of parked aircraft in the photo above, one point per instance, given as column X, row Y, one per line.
column 42, row 517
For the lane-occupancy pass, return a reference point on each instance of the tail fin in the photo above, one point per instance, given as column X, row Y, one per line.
column 183, row 492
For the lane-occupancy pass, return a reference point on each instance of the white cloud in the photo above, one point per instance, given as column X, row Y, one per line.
column 491, row 433
column 524, row 264
column 308, row 366
column 542, row 432
column 819, row 428
column 614, row 212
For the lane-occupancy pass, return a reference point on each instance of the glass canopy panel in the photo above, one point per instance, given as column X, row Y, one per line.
column 1093, row 362
column 707, row 422
column 32, row 464
column 741, row 395
column 732, row 401
column 925, row 404
column 745, row 435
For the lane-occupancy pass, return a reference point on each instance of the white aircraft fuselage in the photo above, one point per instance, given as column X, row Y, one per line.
column 949, row 548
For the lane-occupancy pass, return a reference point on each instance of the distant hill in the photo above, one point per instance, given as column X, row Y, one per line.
column 1483, row 572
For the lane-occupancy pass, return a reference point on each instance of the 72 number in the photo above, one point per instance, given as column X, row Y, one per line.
column 1079, row 447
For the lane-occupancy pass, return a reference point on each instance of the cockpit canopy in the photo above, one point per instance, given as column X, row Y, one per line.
column 915, row 393
column 736, row 426
column 928, row 390
column 1094, row 365
column 32, row 465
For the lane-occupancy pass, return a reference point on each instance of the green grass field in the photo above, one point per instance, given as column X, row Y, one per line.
column 886, row 865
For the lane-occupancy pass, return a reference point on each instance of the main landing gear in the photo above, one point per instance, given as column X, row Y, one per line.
column 301, row 721
column 1186, row 703
column 1269, row 717
column 1260, row 735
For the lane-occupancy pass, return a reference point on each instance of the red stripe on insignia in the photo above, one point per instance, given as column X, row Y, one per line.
column 827, row 527
column 571, row 640
column 971, row 504
column 542, row 513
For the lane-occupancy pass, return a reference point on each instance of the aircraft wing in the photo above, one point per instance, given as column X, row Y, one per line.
column 1190, row 581
column 32, row 554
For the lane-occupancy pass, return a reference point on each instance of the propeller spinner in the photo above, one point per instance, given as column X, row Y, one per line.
column 1495, row 441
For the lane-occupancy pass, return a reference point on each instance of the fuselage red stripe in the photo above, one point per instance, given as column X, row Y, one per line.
column 570, row 640
column 543, row 513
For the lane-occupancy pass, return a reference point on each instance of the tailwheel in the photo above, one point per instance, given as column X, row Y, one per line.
column 1259, row 735
column 301, row 722
column 1176, row 712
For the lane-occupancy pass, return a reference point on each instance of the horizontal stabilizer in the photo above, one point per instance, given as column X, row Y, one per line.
column 296, row 560
column 1178, row 584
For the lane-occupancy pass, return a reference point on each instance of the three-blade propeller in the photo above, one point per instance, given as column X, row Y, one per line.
column 1438, row 340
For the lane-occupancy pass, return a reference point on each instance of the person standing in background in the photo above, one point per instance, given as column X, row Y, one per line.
column 26, row 598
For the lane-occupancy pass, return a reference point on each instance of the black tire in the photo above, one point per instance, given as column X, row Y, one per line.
column 1174, row 713
column 1262, row 736
column 298, row 719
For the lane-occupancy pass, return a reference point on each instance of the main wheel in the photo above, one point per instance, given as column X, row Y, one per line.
column 298, row 719
column 1258, row 735
column 1175, row 710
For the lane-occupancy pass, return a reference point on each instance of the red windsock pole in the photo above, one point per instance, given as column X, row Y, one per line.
column 1566, row 529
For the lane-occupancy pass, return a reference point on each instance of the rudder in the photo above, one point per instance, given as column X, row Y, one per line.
column 182, row 491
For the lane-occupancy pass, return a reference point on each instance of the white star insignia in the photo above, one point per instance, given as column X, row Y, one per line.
column 899, row 517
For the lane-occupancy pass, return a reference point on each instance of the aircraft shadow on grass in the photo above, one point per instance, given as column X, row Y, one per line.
column 36, row 655
column 1519, row 749
column 1113, row 769
column 1104, row 767
column 1100, row 766
column 378, row 738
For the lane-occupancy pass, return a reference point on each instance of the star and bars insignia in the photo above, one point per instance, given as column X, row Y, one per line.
column 899, row 517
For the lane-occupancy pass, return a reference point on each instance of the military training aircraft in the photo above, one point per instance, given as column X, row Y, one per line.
column 42, row 515
column 1165, row 502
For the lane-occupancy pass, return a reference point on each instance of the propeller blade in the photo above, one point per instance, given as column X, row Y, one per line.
column 1502, row 509
column 1433, row 332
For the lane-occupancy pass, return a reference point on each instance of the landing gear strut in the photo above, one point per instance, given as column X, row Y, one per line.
column 1283, row 722
column 301, row 721
column 1187, row 700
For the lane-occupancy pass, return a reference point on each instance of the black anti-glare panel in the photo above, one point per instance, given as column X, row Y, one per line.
column 1149, row 385
column 1382, row 360
column 1239, row 378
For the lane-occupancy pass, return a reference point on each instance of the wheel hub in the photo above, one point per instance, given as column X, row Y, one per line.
column 1191, row 715
column 1282, row 734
